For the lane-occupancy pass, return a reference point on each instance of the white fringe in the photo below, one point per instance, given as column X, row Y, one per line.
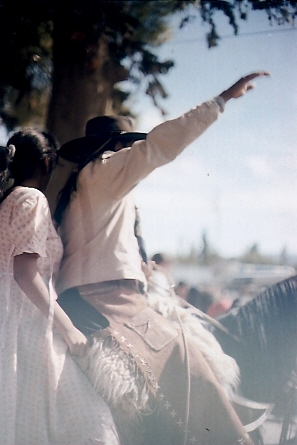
column 114, row 374
column 222, row 365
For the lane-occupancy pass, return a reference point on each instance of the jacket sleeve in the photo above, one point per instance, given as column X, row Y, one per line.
column 125, row 168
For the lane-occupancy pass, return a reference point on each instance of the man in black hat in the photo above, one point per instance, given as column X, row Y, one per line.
column 97, row 221
column 102, row 265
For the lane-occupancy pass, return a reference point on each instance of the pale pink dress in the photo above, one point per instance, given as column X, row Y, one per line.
column 45, row 399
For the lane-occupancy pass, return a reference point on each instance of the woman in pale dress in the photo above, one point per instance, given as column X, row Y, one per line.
column 45, row 397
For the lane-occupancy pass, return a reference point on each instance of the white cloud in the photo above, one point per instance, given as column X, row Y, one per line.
column 259, row 166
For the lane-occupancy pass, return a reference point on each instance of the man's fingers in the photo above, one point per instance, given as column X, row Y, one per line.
column 252, row 76
column 242, row 86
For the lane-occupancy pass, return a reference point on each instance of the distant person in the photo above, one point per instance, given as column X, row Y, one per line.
column 200, row 299
column 182, row 290
column 160, row 280
column 162, row 259
column 102, row 266
column 219, row 307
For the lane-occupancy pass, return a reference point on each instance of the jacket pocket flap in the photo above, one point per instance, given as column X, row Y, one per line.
column 155, row 330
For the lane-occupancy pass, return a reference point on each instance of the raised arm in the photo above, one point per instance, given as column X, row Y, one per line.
column 167, row 140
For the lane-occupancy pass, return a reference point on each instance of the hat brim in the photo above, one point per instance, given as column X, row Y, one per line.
column 80, row 149
column 127, row 139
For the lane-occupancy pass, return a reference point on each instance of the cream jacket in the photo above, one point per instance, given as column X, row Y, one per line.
column 98, row 225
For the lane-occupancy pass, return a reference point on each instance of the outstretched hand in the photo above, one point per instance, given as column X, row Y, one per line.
column 242, row 86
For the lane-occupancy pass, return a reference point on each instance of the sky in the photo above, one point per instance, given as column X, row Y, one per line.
column 237, row 182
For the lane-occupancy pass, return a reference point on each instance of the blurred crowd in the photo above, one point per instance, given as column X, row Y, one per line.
column 211, row 299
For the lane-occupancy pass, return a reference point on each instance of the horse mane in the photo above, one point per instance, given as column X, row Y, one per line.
column 267, row 328
column 272, row 309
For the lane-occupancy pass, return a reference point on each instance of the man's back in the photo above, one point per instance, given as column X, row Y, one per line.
column 98, row 233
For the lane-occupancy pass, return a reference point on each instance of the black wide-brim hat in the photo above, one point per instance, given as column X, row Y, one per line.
column 102, row 133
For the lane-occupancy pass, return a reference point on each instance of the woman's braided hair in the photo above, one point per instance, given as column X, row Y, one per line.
column 23, row 155
column 6, row 156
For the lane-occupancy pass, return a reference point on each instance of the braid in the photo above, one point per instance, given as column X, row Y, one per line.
column 64, row 196
column 6, row 156
column 70, row 186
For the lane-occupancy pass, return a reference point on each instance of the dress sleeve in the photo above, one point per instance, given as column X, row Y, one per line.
column 29, row 223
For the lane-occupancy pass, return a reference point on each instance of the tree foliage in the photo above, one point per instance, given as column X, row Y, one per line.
column 62, row 61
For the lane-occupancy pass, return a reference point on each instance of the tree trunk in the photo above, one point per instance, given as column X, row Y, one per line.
column 82, row 89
